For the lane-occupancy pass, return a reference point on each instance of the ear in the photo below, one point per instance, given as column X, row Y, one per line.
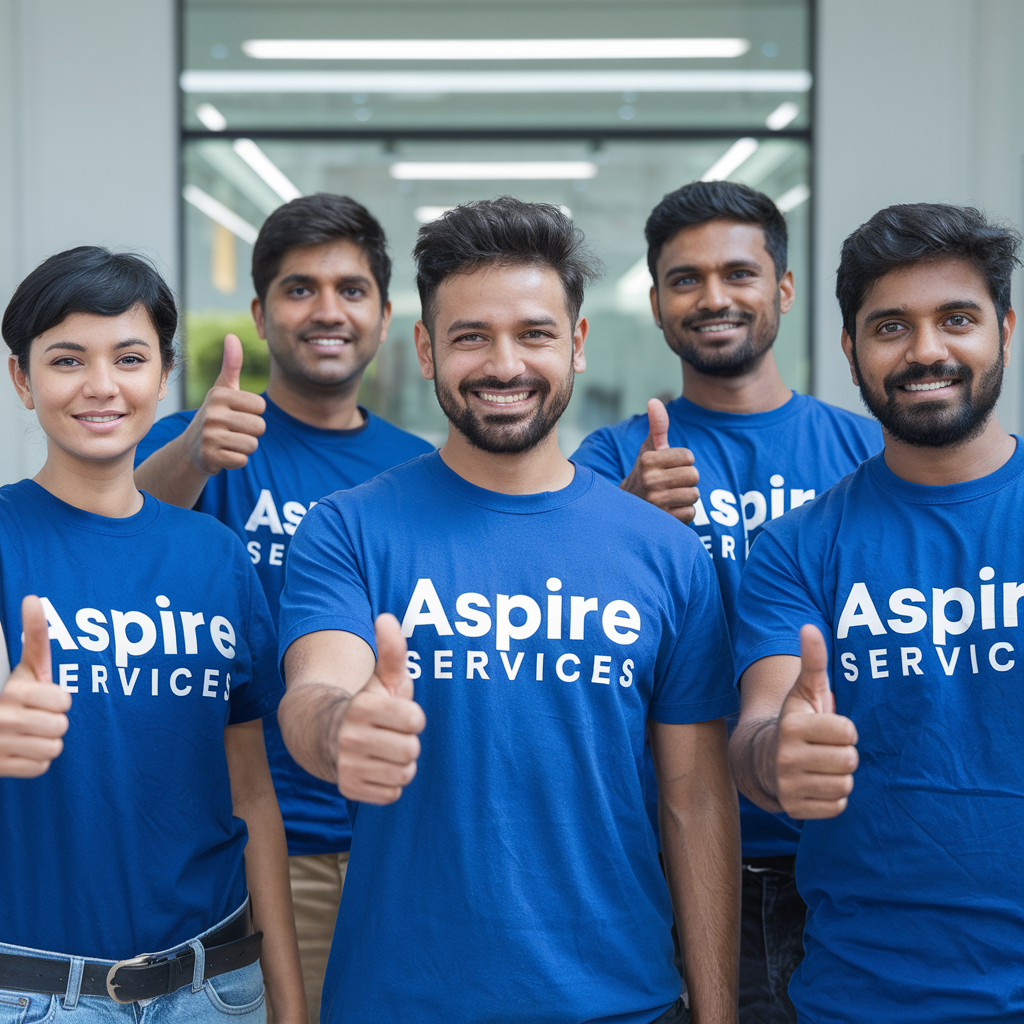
column 424, row 352
column 847, row 343
column 257, row 315
column 655, row 306
column 385, row 322
column 20, row 380
column 1009, row 322
column 579, row 338
column 162, row 393
column 787, row 292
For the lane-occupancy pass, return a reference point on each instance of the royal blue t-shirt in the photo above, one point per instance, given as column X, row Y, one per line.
column 753, row 468
column 914, row 892
column 160, row 631
column 517, row 877
column 295, row 465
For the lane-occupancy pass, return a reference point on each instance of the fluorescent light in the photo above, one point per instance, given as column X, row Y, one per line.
column 792, row 198
column 266, row 169
column 220, row 156
column 782, row 115
column 748, row 80
column 211, row 117
column 220, row 213
column 425, row 214
column 731, row 159
column 521, row 170
column 491, row 49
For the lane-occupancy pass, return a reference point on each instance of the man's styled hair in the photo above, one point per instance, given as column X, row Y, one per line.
column 314, row 220
column 910, row 233
column 502, row 232
column 88, row 279
column 703, row 201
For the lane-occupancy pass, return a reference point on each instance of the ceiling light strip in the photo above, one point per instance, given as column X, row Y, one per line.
column 218, row 212
column 536, row 170
column 266, row 169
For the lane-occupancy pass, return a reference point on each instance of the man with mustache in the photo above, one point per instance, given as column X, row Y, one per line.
column 508, row 871
column 901, row 586
column 717, row 256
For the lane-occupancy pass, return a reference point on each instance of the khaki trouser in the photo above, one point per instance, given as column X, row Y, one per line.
column 317, row 881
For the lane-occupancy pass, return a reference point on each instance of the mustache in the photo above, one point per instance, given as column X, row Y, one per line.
column 742, row 315
column 494, row 384
column 918, row 373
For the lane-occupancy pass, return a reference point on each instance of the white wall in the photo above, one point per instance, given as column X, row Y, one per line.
column 917, row 101
column 88, row 123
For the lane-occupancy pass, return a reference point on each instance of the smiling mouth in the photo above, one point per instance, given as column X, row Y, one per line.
column 717, row 328
column 101, row 419
column 327, row 341
column 504, row 398
column 934, row 386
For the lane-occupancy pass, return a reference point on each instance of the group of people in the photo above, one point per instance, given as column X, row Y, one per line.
column 310, row 721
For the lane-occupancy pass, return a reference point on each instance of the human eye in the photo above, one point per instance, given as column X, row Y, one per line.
column 685, row 281
column 957, row 320
column 300, row 291
column 890, row 327
column 471, row 338
column 739, row 275
column 132, row 359
column 66, row 361
column 353, row 292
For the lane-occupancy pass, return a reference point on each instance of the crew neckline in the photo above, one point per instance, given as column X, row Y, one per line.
column 91, row 522
column 750, row 420
column 946, row 494
column 516, row 504
column 295, row 423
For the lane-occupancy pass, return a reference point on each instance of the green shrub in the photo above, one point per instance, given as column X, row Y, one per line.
column 204, row 349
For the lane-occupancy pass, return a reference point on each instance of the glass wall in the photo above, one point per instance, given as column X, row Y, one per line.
column 620, row 102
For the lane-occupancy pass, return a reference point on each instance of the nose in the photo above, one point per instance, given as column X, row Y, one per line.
column 329, row 307
column 713, row 295
column 100, row 382
column 927, row 346
column 504, row 359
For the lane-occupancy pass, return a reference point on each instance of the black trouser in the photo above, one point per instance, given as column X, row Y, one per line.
column 771, row 940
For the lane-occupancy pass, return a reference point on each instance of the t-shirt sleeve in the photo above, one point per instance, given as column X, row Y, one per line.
column 324, row 585
column 161, row 433
column 259, row 693
column 600, row 453
column 776, row 599
column 694, row 674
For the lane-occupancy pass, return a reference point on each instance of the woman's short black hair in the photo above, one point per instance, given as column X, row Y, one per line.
column 909, row 233
column 314, row 220
column 88, row 279
column 502, row 232
column 703, row 201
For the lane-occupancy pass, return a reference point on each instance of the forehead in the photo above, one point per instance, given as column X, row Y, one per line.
column 94, row 329
column 328, row 260
column 923, row 288
column 497, row 294
column 715, row 243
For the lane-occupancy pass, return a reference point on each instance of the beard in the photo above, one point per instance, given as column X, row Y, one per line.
column 935, row 424
column 727, row 362
column 505, row 433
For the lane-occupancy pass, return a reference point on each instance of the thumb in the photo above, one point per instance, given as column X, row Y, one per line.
column 657, row 417
column 231, row 366
column 391, row 654
column 811, row 684
column 35, row 650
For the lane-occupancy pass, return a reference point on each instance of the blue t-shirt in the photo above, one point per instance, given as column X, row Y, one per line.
column 914, row 892
column 753, row 468
column 160, row 630
column 295, row 465
column 517, row 877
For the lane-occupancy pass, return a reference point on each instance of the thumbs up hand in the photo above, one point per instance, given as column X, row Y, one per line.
column 662, row 475
column 226, row 429
column 33, row 711
column 377, row 739
column 816, row 754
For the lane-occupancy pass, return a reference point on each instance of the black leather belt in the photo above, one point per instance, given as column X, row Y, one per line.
column 140, row 977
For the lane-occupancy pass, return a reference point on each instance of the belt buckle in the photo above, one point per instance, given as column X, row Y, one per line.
column 143, row 960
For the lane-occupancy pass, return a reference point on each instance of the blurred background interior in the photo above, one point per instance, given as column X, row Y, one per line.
column 177, row 127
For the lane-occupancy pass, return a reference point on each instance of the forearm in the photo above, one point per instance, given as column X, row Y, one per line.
column 310, row 716
column 752, row 752
column 701, row 848
column 170, row 475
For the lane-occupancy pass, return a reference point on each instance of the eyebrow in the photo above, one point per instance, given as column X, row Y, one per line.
column 689, row 268
column 293, row 279
column 946, row 307
column 73, row 346
column 483, row 325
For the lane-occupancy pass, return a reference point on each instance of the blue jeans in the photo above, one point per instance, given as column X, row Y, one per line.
column 235, row 997
column 771, row 942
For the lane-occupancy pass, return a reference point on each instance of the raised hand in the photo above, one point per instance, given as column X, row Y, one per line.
column 663, row 475
column 816, row 754
column 226, row 429
column 33, row 710
column 378, row 741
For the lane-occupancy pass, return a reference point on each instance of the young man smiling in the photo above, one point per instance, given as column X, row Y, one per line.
column 257, row 462
column 509, row 872
column 717, row 256
column 901, row 585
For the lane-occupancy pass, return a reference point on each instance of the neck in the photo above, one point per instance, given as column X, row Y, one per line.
column 330, row 408
column 543, row 468
column 954, row 464
column 760, row 389
column 107, row 488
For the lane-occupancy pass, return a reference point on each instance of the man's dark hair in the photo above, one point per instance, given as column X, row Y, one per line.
column 88, row 279
column 314, row 220
column 503, row 232
column 900, row 236
column 703, row 201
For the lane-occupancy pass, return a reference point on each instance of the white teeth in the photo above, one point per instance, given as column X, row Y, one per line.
column 929, row 387
column 714, row 328
column 326, row 341
column 99, row 419
column 518, row 396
